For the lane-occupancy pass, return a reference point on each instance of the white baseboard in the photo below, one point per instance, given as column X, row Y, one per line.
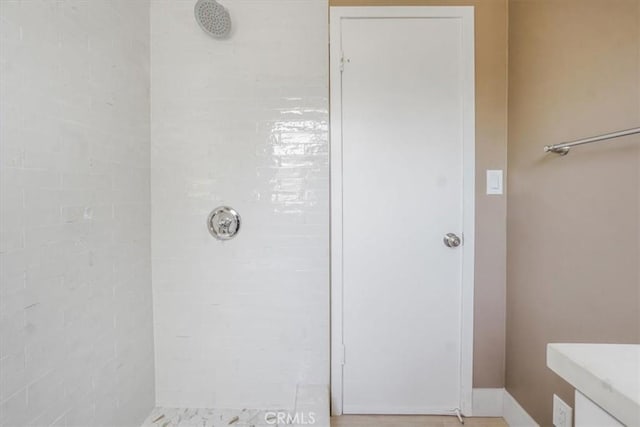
column 514, row 414
column 497, row 402
column 487, row 402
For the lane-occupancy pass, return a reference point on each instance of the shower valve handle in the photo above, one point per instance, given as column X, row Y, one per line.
column 224, row 224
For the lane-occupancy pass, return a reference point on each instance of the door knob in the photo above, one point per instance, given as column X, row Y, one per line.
column 451, row 240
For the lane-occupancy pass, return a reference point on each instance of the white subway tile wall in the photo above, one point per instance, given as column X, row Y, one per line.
column 76, row 340
column 241, row 122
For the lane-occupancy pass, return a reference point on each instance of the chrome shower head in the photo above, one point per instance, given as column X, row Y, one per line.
column 213, row 18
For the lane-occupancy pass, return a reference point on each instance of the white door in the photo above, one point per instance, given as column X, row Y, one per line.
column 404, row 99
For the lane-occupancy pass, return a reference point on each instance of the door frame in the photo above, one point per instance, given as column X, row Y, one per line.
column 466, row 15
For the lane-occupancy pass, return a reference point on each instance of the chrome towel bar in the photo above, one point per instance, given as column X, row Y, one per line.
column 563, row 149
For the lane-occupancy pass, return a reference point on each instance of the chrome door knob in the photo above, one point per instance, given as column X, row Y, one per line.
column 451, row 240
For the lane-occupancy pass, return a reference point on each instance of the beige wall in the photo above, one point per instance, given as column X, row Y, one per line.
column 573, row 223
column 491, row 128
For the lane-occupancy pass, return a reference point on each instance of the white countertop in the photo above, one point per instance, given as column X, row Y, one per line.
column 608, row 374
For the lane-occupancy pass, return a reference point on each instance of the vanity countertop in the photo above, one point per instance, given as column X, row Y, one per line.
column 608, row 374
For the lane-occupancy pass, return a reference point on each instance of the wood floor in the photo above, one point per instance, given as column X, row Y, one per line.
column 412, row 421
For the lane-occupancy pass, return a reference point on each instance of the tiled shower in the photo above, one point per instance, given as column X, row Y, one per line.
column 243, row 123
column 123, row 125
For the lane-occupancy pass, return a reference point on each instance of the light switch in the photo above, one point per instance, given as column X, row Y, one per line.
column 494, row 182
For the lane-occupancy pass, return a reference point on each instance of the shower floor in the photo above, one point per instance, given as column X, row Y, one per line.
column 184, row 417
column 311, row 408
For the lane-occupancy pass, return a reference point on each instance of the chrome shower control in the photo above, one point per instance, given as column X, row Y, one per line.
column 451, row 240
column 223, row 223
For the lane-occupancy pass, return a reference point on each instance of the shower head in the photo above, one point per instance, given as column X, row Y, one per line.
column 213, row 18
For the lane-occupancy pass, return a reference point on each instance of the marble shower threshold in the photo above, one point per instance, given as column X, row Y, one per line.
column 311, row 409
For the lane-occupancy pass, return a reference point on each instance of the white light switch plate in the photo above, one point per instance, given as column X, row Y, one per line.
column 562, row 413
column 494, row 182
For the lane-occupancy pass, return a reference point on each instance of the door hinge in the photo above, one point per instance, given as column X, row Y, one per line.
column 343, row 357
column 343, row 61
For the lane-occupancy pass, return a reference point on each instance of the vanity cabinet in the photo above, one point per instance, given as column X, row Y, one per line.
column 588, row 414
column 606, row 378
